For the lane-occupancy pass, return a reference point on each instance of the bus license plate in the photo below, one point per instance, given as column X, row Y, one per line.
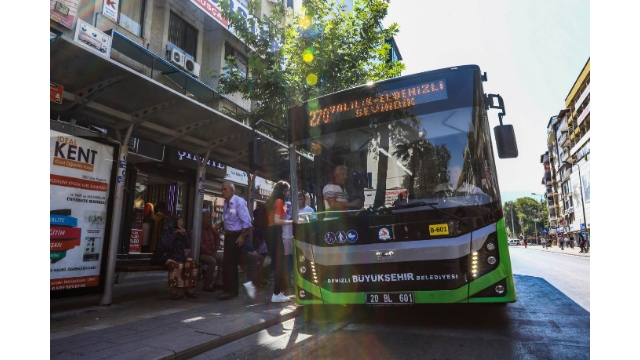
column 390, row 298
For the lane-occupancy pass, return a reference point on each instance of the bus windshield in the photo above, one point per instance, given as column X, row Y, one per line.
column 403, row 147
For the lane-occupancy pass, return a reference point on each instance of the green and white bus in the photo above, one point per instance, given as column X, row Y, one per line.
column 420, row 219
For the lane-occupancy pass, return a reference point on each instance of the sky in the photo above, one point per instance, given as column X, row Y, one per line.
column 532, row 52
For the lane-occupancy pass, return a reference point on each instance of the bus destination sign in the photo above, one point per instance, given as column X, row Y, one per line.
column 382, row 102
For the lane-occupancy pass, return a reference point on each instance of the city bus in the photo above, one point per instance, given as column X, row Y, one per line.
column 420, row 219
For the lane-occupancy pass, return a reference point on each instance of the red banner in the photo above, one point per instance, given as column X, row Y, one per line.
column 77, row 183
column 63, row 232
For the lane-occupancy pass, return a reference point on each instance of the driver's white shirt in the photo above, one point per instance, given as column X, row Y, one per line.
column 334, row 191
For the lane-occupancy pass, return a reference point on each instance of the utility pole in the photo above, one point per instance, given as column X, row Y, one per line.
column 535, row 225
column 584, row 213
column 513, row 229
column 541, row 209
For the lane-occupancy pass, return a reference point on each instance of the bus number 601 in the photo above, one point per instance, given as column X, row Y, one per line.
column 406, row 298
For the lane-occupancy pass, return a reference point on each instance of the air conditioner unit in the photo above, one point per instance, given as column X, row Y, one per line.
column 192, row 67
column 176, row 57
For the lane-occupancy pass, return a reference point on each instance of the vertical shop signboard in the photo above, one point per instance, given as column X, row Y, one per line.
column 110, row 9
column 80, row 173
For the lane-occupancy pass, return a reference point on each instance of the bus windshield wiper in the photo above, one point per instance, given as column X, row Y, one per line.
column 431, row 205
column 385, row 209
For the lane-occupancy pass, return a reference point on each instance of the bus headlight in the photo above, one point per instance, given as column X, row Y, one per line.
column 491, row 260
column 499, row 289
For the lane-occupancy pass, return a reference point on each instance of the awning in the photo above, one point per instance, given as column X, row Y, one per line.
column 201, row 91
column 102, row 92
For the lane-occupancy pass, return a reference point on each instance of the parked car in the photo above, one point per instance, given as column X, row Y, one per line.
column 514, row 242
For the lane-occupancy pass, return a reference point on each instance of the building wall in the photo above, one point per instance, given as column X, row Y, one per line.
column 569, row 140
column 154, row 37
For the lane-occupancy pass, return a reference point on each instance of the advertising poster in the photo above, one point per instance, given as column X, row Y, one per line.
column 64, row 12
column 80, row 173
column 93, row 38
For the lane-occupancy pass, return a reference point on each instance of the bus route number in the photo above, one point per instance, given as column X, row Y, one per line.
column 439, row 229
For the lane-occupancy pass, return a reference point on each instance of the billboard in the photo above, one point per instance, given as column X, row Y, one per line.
column 79, row 194
column 64, row 12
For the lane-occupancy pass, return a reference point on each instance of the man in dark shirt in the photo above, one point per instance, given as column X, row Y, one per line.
column 209, row 245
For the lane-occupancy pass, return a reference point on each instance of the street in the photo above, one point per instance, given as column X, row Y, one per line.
column 550, row 320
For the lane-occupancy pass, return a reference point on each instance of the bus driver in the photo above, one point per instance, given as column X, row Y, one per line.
column 335, row 196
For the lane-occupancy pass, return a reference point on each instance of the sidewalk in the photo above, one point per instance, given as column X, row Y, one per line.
column 144, row 323
column 556, row 249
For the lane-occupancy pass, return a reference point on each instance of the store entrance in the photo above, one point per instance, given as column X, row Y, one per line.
column 155, row 198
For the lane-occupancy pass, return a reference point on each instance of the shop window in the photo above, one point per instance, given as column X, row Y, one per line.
column 241, row 60
column 183, row 35
column 153, row 195
column 132, row 15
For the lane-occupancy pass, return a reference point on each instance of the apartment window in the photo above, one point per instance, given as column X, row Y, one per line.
column 241, row 60
column 132, row 15
column 183, row 35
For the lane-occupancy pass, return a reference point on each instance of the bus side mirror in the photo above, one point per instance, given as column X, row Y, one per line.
column 506, row 141
column 256, row 154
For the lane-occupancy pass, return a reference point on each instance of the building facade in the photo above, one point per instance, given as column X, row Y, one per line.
column 566, row 162
column 136, row 75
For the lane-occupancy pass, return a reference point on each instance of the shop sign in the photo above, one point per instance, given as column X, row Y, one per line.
column 80, row 173
column 110, row 9
column 135, row 241
column 64, row 12
column 56, row 92
column 183, row 158
column 92, row 38
column 213, row 10
column 237, row 176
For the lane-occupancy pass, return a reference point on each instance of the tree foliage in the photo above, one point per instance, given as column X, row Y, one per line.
column 523, row 216
column 296, row 57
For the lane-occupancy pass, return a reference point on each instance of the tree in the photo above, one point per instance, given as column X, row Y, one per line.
column 523, row 215
column 296, row 57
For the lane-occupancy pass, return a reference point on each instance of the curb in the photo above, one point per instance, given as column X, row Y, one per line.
column 561, row 252
column 223, row 340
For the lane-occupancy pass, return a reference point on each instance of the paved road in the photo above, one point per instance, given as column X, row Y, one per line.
column 569, row 274
column 527, row 329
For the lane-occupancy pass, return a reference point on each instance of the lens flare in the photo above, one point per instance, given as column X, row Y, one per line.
column 312, row 79
column 305, row 22
column 307, row 56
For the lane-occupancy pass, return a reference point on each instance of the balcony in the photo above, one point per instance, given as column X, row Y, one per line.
column 563, row 125
column 549, row 191
column 583, row 114
column 564, row 157
column 562, row 139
